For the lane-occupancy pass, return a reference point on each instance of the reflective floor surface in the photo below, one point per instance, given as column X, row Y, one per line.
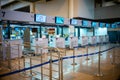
column 84, row 70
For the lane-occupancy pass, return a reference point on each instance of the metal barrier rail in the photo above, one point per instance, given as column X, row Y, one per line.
column 63, row 58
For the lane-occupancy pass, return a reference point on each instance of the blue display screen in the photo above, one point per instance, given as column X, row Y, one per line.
column 85, row 23
column 73, row 21
column 59, row 20
column 94, row 24
column 107, row 25
column 102, row 24
column 16, row 29
column 40, row 18
column 114, row 25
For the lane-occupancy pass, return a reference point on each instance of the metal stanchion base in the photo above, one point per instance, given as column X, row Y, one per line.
column 87, row 58
column 99, row 74
column 74, row 64
column 101, row 54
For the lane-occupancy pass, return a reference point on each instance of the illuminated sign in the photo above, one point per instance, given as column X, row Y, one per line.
column 59, row 20
column 107, row 25
column 85, row 23
column 40, row 18
column 102, row 24
column 73, row 22
column 113, row 25
column 94, row 24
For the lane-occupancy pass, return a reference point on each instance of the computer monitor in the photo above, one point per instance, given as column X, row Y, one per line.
column 94, row 24
column 73, row 21
column 85, row 23
column 59, row 20
column 40, row 18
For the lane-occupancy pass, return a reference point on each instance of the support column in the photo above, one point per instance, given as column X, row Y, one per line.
column 32, row 7
column 71, row 8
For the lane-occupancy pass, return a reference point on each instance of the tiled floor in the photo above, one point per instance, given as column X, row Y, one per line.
column 84, row 70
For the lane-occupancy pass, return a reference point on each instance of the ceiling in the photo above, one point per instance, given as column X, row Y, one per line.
column 31, row 0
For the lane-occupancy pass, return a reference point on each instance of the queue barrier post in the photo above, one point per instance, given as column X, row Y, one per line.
column 61, row 68
column 9, row 57
column 113, row 55
column 41, row 66
column 50, row 65
column 87, row 58
column 99, row 74
column 19, row 56
column 74, row 63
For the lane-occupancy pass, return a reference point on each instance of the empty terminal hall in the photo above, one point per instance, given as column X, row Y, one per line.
column 59, row 39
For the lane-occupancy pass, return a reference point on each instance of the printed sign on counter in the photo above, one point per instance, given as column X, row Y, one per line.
column 60, row 42
column 101, row 39
column 73, row 42
column 41, row 45
column 104, row 39
column 107, row 38
column 84, row 40
column 98, row 39
column 15, row 48
column 94, row 40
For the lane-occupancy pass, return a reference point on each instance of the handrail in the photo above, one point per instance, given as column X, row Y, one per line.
column 67, row 57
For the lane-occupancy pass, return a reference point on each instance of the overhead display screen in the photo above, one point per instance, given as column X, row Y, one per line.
column 94, row 24
column 102, row 24
column 59, row 20
column 40, row 18
column 85, row 23
column 73, row 21
column 107, row 25
column 114, row 25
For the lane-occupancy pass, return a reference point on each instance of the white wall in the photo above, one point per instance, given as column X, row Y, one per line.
column 107, row 12
column 53, row 8
column 81, row 8
column 85, row 8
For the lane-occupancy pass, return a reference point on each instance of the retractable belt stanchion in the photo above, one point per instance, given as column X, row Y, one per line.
column 19, row 56
column 59, row 65
column 24, row 63
column 41, row 66
column 65, row 52
column 74, row 58
column 9, row 56
column 113, row 55
column 87, row 58
column 50, row 72
column 30, row 69
column 100, row 48
column 99, row 74
column 61, row 68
